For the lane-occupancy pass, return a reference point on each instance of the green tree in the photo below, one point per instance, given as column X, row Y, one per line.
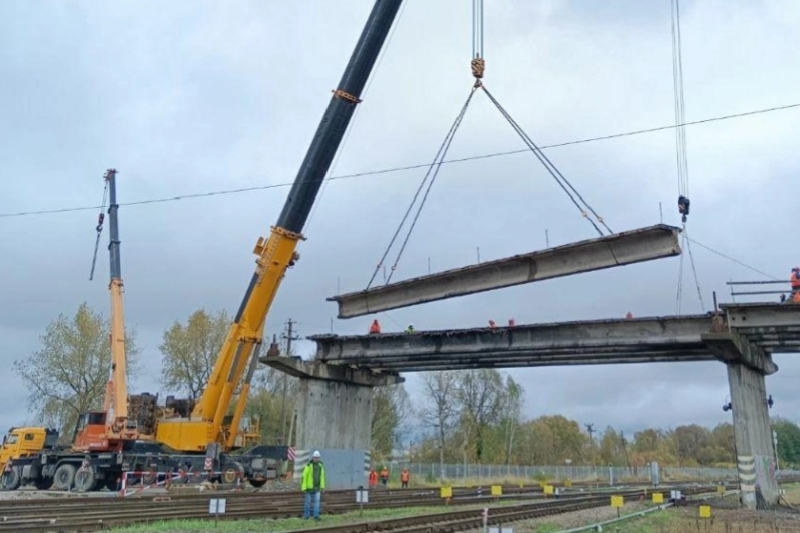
column 191, row 350
column 439, row 408
column 515, row 395
column 788, row 442
column 390, row 409
column 482, row 396
column 67, row 376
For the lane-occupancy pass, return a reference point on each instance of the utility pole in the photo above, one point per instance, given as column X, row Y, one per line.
column 289, row 338
column 590, row 429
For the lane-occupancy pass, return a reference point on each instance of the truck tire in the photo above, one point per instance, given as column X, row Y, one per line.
column 86, row 479
column 64, row 476
column 111, row 482
column 232, row 472
column 11, row 479
column 257, row 483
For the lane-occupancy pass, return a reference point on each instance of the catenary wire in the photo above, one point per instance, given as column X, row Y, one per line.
column 402, row 168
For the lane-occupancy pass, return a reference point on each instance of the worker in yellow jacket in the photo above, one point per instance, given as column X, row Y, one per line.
column 312, row 484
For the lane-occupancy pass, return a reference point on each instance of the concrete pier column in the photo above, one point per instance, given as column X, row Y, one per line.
column 332, row 414
column 755, row 455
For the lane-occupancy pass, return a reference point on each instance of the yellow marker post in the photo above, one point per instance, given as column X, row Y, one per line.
column 497, row 490
column 617, row 501
column 721, row 490
column 548, row 489
column 704, row 511
column 568, row 483
column 658, row 497
column 446, row 493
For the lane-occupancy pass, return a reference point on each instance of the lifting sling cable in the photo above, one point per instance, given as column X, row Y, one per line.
column 681, row 152
column 550, row 167
column 437, row 163
column 478, row 67
column 448, row 141
column 477, row 70
column 99, row 229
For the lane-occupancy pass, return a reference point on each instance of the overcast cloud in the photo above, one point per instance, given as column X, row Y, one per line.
column 193, row 96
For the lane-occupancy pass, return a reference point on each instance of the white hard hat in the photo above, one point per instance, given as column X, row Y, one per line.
column 315, row 454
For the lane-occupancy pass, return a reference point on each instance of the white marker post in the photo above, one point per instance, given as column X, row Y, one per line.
column 216, row 506
column 362, row 497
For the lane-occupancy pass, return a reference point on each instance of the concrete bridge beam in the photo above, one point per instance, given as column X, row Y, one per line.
column 619, row 249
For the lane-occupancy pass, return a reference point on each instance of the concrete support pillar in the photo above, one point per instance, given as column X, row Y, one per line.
column 754, row 452
column 333, row 415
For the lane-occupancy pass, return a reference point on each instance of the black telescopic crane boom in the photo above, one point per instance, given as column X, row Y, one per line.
column 336, row 119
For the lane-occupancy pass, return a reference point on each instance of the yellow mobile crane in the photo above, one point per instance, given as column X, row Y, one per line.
column 207, row 424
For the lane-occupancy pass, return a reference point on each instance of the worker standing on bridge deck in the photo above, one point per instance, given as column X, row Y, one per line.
column 375, row 328
column 794, row 279
column 410, row 328
column 313, row 484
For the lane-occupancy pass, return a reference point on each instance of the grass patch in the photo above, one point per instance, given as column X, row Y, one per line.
column 289, row 524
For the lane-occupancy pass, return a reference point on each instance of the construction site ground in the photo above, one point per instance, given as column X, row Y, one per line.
column 726, row 518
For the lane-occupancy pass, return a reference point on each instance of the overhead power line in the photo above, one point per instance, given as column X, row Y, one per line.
column 403, row 168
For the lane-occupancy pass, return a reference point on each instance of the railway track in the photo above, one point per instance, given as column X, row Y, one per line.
column 473, row 519
column 84, row 514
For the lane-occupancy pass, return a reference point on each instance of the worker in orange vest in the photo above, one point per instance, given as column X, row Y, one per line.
column 385, row 476
column 375, row 328
column 373, row 477
column 794, row 279
column 629, row 316
column 404, row 477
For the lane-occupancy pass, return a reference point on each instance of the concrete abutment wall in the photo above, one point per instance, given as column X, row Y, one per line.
column 755, row 454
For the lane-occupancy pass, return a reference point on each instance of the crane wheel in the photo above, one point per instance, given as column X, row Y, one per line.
column 86, row 479
column 64, row 476
column 11, row 479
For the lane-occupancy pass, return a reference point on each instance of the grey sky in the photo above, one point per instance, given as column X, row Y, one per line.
column 189, row 97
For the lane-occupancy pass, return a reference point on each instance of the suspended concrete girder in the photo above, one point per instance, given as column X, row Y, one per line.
column 619, row 249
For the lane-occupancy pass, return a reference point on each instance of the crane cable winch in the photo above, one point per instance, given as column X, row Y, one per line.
column 478, row 67
column 100, row 219
column 680, row 152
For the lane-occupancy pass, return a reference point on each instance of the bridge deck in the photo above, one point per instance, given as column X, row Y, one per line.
column 769, row 328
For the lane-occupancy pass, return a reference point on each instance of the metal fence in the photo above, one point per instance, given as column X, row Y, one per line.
column 434, row 471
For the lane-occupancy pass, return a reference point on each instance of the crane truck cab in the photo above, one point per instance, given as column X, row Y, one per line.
column 23, row 442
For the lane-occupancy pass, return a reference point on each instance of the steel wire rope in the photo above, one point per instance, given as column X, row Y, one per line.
column 99, row 229
column 441, row 152
column 457, row 123
column 222, row 192
column 549, row 166
column 681, row 153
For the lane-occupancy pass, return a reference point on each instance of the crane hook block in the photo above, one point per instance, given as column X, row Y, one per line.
column 683, row 206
